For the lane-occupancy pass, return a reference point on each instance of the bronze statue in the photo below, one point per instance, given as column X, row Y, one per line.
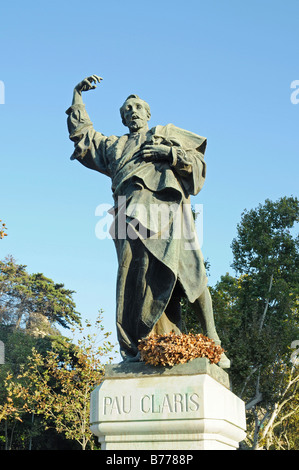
column 150, row 169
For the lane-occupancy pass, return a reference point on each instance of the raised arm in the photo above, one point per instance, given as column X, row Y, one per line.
column 90, row 147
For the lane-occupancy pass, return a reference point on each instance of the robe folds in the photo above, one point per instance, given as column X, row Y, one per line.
column 159, row 257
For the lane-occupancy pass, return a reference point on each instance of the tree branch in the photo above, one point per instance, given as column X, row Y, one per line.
column 266, row 306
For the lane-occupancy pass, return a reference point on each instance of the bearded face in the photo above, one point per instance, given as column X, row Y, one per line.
column 135, row 114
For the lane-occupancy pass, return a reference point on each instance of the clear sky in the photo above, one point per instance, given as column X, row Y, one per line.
column 220, row 68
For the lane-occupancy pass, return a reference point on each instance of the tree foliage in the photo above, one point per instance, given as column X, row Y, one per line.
column 256, row 313
column 58, row 386
column 18, row 428
column 32, row 301
column 32, row 306
column 52, row 388
column 3, row 232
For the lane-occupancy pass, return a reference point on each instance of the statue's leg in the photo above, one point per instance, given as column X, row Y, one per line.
column 204, row 309
column 171, row 319
column 144, row 287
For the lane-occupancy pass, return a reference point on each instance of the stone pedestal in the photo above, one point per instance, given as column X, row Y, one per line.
column 185, row 407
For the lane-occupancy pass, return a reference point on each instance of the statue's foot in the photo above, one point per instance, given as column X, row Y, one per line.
column 224, row 362
column 131, row 359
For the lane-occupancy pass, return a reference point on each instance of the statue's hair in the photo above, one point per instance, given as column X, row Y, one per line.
column 145, row 104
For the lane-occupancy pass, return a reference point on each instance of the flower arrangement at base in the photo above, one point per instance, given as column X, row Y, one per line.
column 171, row 349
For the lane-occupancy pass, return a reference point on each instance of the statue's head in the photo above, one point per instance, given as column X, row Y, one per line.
column 135, row 113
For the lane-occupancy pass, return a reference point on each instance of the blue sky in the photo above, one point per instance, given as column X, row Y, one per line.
column 222, row 69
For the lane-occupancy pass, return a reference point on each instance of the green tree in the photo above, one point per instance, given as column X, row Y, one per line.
column 32, row 301
column 57, row 386
column 256, row 314
column 19, row 428
column 263, row 300
column 261, row 371
column 31, row 308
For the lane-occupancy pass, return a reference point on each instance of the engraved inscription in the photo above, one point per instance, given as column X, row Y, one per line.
column 151, row 404
column 117, row 405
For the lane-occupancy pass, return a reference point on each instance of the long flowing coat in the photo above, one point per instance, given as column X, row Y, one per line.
column 154, row 233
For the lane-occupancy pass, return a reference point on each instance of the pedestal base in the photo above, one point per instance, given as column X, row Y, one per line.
column 185, row 407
